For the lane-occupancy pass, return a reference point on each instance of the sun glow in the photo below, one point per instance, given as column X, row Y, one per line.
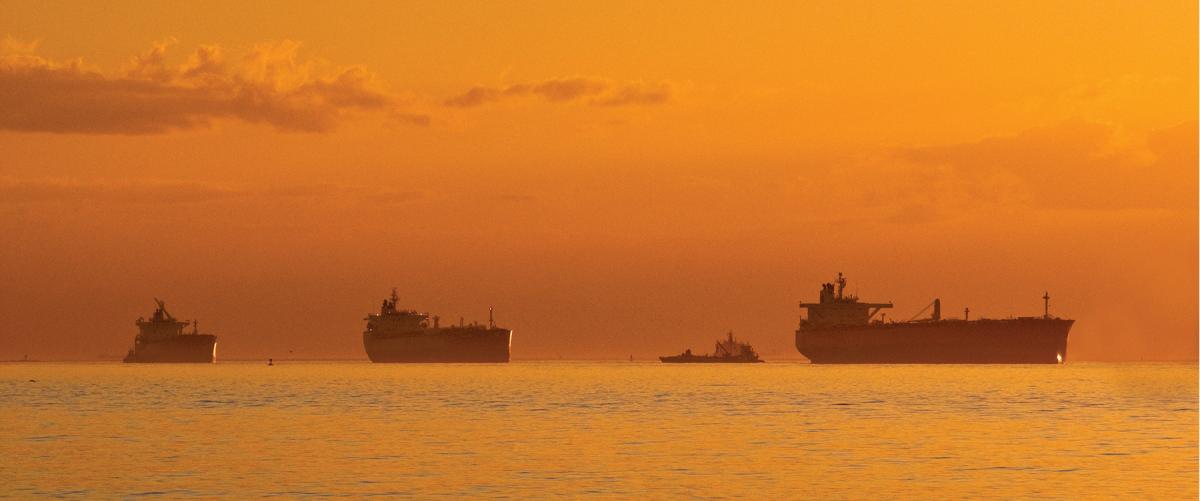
column 626, row 161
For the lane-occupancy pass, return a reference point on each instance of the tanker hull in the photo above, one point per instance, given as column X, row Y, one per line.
column 187, row 348
column 1009, row 341
column 454, row 345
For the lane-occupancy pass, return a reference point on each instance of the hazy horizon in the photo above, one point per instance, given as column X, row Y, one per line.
column 614, row 179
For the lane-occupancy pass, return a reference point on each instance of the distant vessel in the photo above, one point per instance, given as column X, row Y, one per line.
column 161, row 339
column 728, row 351
column 840, row 329
column 395, row 335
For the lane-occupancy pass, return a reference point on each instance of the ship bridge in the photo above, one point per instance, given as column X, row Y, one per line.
column 837, row 308
column 391, row 317
column 161, row 324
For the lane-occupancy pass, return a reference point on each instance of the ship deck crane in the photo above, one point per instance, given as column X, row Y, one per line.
column 937, row 311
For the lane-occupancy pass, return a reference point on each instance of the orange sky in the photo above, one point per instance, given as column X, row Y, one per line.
column 615, row 178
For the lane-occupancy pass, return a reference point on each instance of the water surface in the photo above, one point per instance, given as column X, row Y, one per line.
column 619, row 429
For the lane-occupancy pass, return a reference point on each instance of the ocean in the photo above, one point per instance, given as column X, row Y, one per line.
column 598, row 429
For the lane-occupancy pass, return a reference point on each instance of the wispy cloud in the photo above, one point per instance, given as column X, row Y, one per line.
column 636, row 94
column 269, row 84
column 1072, row 165
column 1070, row 169
column 595, row 91
column 171, row 192
column 24, row 191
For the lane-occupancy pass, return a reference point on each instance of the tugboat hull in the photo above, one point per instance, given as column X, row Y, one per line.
column 681, row 359
column 728, row 351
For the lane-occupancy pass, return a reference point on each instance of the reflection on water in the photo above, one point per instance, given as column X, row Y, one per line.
column 619, row 429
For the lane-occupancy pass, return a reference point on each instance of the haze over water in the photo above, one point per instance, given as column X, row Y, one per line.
column 613, row 177
column 571, row 429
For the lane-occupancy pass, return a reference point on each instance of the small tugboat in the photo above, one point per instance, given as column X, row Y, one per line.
column 728, row 351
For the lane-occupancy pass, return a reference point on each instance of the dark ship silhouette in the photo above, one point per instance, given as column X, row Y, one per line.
column 161, row 339
column 727, row 351
column 395, row 335
column 840, row 329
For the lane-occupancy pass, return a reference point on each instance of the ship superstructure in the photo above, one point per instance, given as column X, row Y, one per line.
column 727, row 350
column 398, row 335
column 841, row 329
column 161, row 338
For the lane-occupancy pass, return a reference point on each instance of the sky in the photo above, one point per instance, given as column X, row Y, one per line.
column 614, row 178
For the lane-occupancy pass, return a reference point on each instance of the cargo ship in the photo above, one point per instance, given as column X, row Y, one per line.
column 396, row 335
column 161, row 339
column 839, row 329
column 728, row 351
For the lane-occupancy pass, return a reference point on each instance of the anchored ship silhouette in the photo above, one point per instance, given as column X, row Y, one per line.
column 841, row 329
column 396, row 335
column 162, row 339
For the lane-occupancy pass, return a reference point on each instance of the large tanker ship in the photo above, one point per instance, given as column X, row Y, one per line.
column 395, row 335
column 161, row 339
column 841, row 330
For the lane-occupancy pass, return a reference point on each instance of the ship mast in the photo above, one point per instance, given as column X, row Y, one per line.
column 1046, row 300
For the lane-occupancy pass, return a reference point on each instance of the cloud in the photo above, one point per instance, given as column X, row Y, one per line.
column 418, row 119
column 1074, row 169
column 595, row 91
column 171, row 192
column 636, row 94
column 1072, row 165
column 566, row 89
column 474, row 97
column 267, row 85
column 14, row 191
